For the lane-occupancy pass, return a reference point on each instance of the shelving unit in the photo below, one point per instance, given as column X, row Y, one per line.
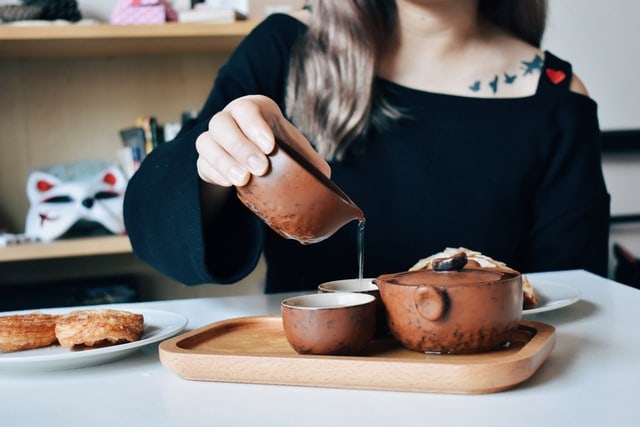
column 87, row 246
column 37, row 60
column 74, row 40
column 65, row 92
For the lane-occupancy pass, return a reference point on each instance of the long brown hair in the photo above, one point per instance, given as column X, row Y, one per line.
column 331, row 94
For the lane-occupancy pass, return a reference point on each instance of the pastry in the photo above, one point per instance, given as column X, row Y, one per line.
column 530, row 299
column 98, row 328
column 27, row 331
column 473, row 258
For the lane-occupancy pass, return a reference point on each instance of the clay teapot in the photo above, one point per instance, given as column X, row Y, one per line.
column 296, row 199
column 453, row 307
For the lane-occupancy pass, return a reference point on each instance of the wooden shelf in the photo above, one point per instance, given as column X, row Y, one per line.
column 74, row 40
column 87, row 246
column 21, row 48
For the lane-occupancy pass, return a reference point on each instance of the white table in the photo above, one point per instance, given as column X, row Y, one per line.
column 592, row 378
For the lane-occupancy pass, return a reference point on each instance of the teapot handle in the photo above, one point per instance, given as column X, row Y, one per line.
column 432, row 302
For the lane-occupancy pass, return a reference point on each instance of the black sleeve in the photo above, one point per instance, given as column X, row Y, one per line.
column 571, row 206
column 162, row 207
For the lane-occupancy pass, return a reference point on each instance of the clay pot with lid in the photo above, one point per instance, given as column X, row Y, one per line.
column 296, row 199
column 452, row 308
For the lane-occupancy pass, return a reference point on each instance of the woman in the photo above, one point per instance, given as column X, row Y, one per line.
column 441, row 119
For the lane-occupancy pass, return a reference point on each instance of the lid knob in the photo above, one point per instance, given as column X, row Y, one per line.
column 455, row 262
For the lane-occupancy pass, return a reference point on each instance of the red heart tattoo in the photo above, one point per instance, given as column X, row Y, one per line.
column 555, row 76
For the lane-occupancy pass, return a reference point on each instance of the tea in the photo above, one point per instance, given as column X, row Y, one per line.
column 360, row 238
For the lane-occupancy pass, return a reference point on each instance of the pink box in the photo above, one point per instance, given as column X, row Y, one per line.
column 145, row 12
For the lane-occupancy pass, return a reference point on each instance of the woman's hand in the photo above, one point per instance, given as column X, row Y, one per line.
column 241, row 136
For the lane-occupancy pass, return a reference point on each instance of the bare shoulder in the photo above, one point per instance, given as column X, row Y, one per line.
column 577, row 86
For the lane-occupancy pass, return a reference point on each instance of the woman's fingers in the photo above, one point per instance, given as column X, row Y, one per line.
column 227, row 156
column 214, row 164
column 227, row 133
column 254, row 115
column 241, row 136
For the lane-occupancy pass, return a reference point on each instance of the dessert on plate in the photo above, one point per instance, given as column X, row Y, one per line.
column 474, row 258
column 86, row 328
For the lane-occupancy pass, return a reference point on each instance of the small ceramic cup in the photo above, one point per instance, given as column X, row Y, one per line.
column 364, row 286
column 338, row 323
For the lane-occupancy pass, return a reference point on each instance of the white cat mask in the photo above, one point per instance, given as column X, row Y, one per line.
column 57, row 204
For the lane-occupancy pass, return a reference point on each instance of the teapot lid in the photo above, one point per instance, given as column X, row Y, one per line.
column 452, row 270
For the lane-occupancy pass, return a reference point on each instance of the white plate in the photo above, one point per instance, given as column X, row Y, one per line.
column 158, row 325
column 552, row 296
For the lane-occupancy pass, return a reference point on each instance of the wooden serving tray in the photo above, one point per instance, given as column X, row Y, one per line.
column 255, row 350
